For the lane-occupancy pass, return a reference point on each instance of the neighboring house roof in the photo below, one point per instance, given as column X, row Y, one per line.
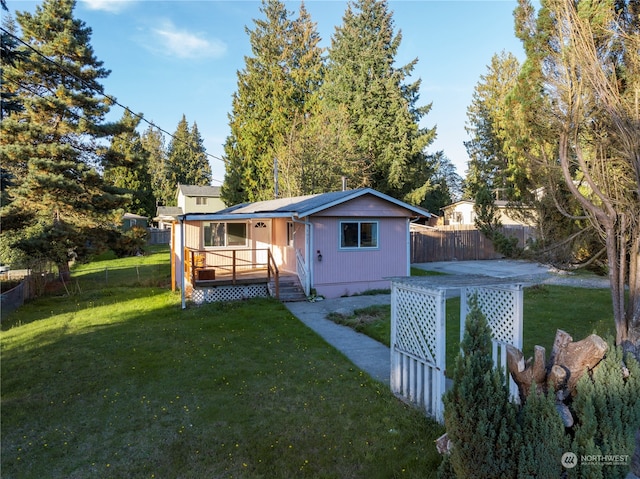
column 301, row 206
column 193, row 190
column 131, row 216
column 167, row 213
column 498, row 203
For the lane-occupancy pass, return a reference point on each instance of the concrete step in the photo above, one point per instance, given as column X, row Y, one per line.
column 290, row 289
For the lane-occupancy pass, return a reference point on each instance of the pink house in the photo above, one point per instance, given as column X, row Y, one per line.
column 332, row 244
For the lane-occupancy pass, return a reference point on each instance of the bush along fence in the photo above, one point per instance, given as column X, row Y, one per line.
column 461, row 243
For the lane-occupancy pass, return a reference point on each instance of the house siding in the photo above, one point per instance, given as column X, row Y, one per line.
column 347, row 272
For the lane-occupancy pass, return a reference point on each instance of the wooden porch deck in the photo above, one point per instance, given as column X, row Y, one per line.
column 225, row 277
column 208, row 270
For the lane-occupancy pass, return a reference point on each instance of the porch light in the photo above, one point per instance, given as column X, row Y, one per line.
column 319, row 256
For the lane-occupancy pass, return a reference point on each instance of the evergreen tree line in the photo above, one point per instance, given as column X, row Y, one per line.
column 305, row 118
column 68, row 174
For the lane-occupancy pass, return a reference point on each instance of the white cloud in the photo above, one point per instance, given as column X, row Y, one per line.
column 172, row 41
column 112, row 6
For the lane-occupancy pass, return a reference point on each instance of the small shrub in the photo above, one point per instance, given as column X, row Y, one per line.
column 479, row 418
column 543, row 439
column 607, row 413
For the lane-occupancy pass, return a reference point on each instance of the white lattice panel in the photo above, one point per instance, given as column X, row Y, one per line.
column 416, row 324
column 502, row 306
column 228, row 293
column 418, row 336
column 418, row 346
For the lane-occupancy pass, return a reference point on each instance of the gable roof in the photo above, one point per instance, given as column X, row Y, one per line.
column 300, row 206
column 196, row 190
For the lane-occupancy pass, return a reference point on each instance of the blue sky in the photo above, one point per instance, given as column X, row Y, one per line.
column 175, row 57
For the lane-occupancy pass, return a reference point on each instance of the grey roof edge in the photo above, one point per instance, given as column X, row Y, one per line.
column 231, row 216
column 361, row 192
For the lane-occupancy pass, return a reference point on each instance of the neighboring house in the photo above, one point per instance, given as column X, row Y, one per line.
column 190, row 199
column 129, row 220
column 199, row 199
column 333, row 244
column 166, row 215
column 462, row 213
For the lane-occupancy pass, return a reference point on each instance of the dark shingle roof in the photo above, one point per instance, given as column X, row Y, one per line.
column 302, row 206
column 194, row 190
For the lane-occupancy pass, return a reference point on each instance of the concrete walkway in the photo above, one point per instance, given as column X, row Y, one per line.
column 366, row 353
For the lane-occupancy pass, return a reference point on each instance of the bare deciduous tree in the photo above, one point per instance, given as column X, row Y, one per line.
column 592, row 75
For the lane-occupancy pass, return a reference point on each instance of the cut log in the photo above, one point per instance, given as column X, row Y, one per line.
column 568, row 362
column 578, row 357
column 528, row 374
column 560, row 342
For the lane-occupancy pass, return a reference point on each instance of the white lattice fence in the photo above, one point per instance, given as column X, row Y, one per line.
column 503, row 308
column 418, row 333
column 229, row 293
column 418, row 346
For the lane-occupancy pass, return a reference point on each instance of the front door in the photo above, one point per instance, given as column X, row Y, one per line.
column 261, row 240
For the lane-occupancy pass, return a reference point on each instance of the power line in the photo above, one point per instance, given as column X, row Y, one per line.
column 112, row 99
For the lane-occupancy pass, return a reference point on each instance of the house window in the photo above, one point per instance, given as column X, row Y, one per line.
column 201, row 200
column 290, row 231
column 358, row 234
column 225, row 234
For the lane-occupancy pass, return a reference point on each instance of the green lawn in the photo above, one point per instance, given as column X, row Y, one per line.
column 152, row 269
column 120, row 382
column 579, row 311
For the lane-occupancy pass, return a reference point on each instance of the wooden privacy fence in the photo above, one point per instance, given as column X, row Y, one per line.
column 460, row 243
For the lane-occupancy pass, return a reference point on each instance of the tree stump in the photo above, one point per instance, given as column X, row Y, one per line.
column 569, row 360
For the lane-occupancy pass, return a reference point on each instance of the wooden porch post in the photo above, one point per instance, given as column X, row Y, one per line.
column 234, row 266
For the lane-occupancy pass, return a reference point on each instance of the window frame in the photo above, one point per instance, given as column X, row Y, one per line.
column 359, row 246
column 227, row 235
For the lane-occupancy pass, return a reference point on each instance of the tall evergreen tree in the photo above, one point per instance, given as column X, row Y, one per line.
column 446, row 183
column 383, row 111
column 60, row 201
column 186, row 158
column 274, row 97
column 10, row 54
column 489, row 163
column 200, row 173
column 153, row 143
column 127, row 167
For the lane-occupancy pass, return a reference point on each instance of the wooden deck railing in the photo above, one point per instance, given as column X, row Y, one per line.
column 235, row 265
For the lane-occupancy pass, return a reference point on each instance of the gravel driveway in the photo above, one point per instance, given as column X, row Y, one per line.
column 526, row 271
